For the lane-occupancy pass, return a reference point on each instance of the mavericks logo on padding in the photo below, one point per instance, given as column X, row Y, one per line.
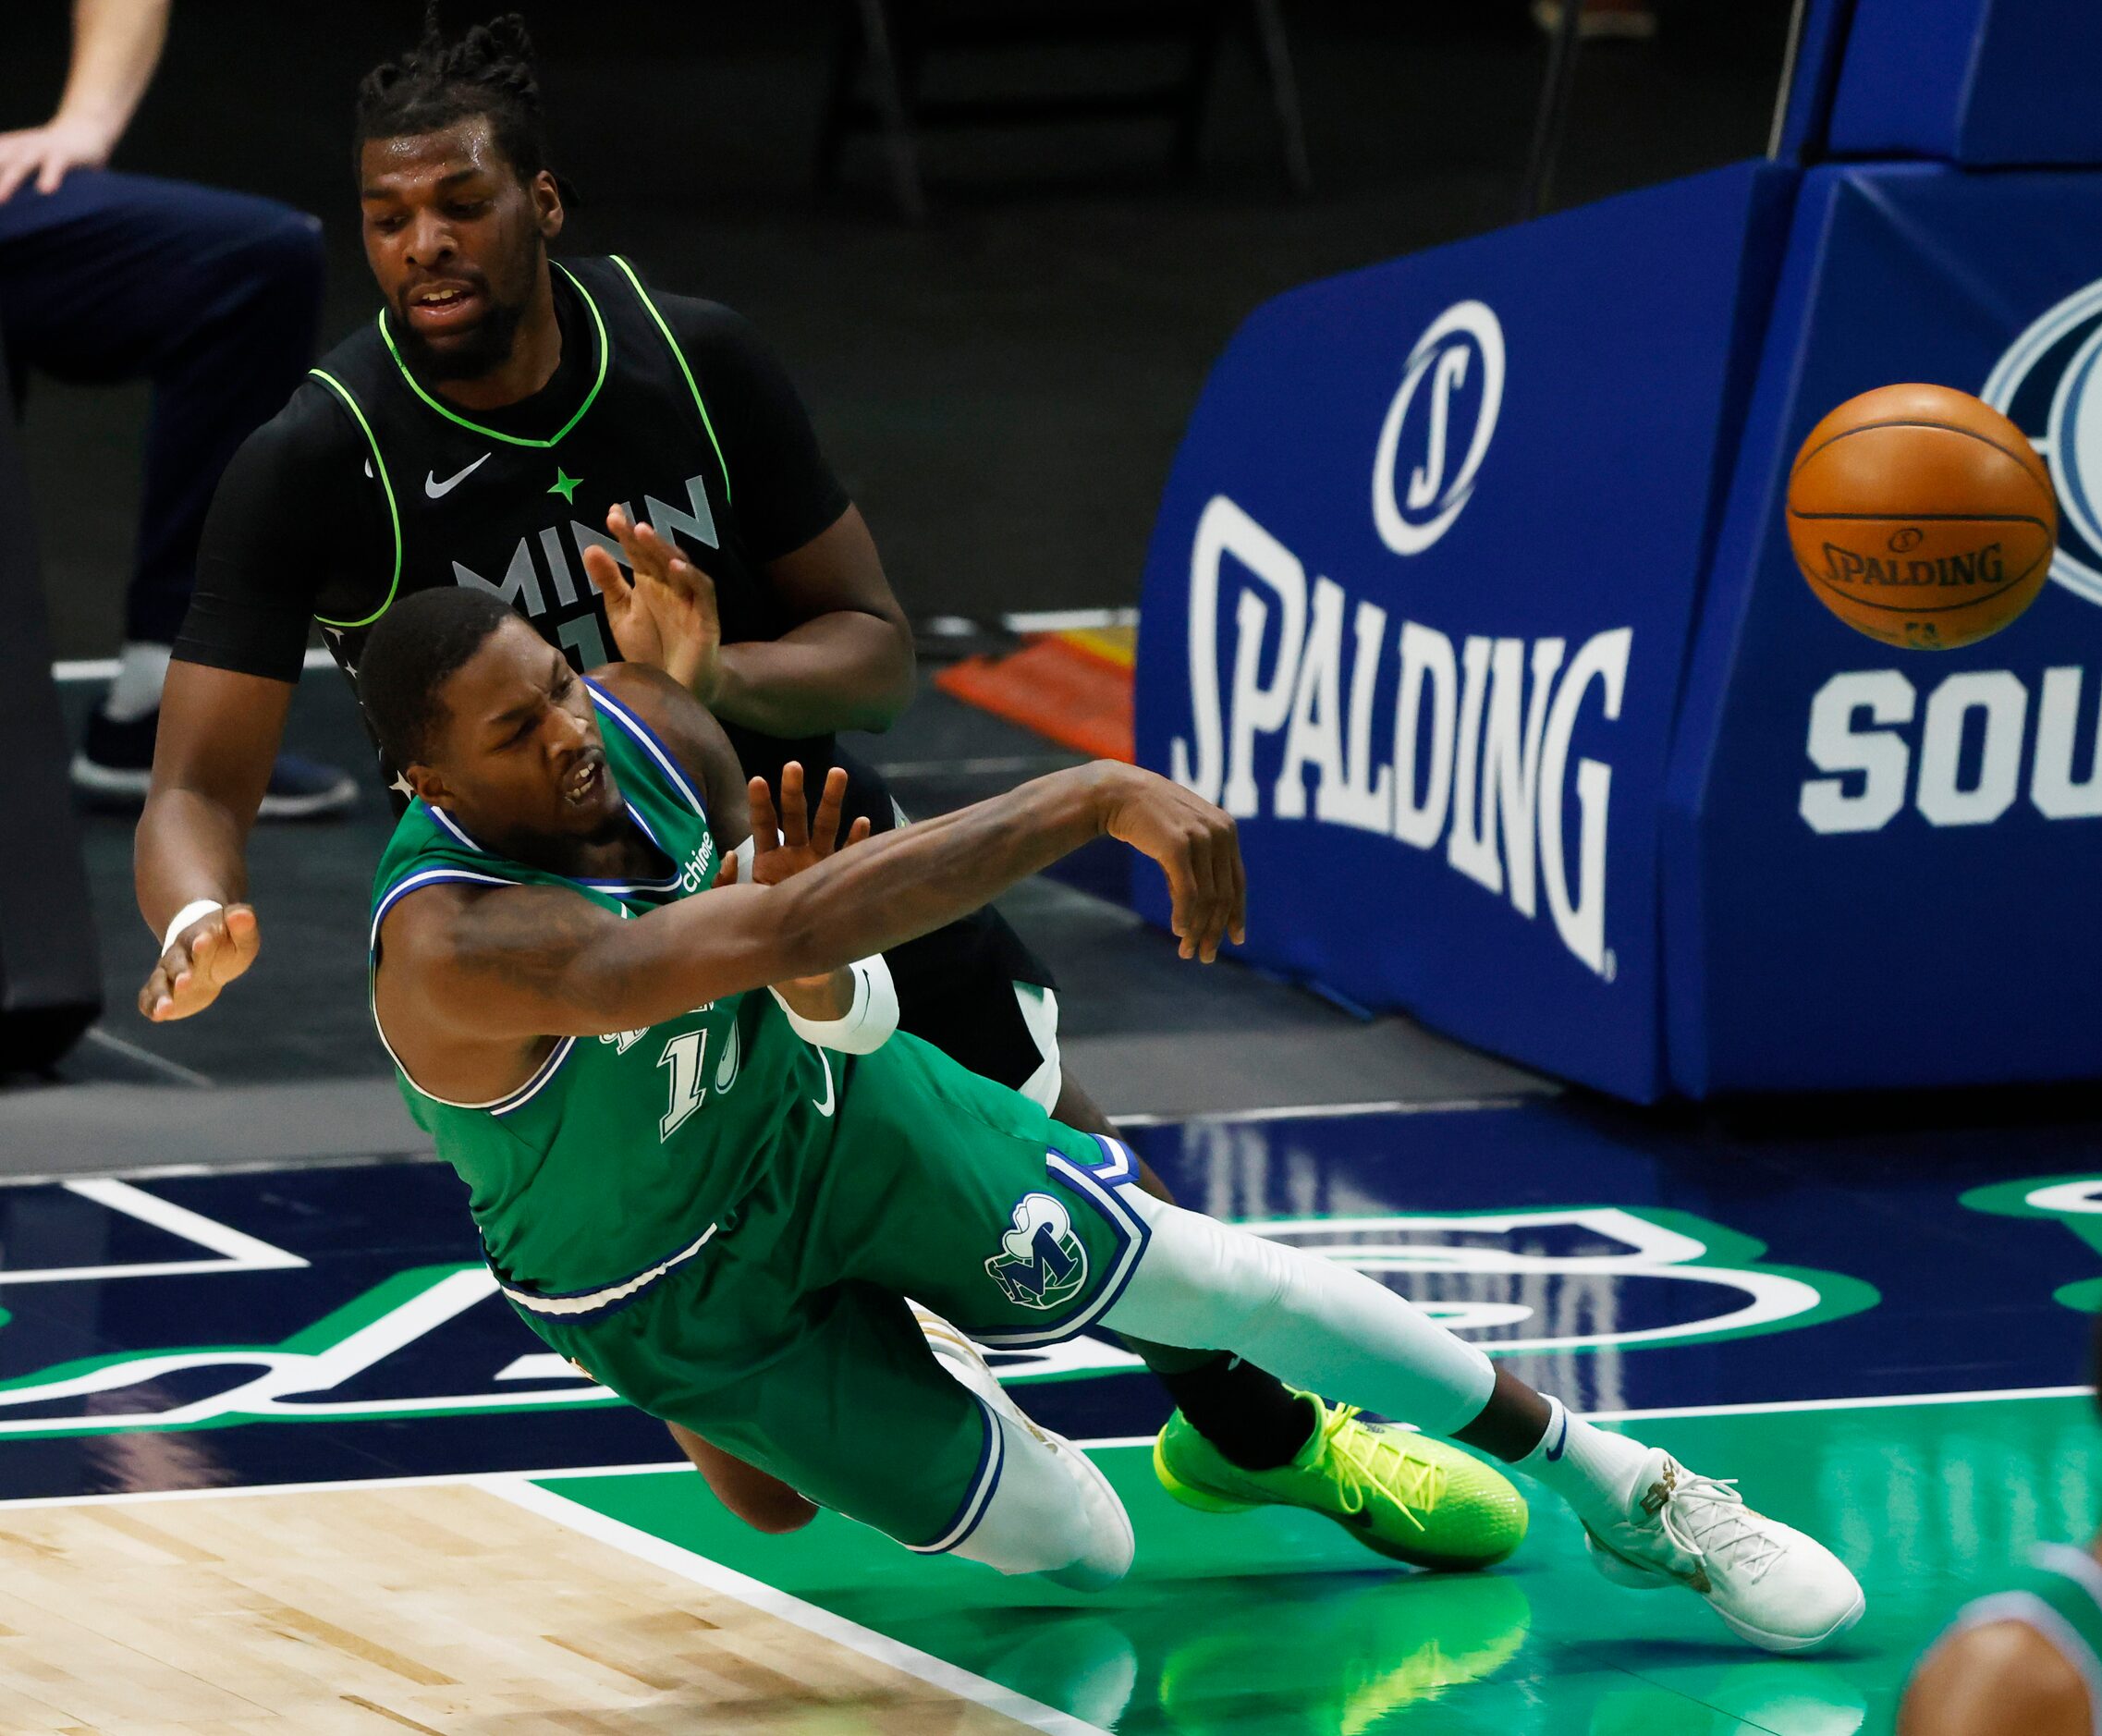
column 1041, row 1262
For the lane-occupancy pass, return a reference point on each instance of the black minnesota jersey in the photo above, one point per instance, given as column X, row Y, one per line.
column 470, row 503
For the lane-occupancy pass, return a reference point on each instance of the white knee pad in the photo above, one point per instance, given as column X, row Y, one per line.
column 1204, row 1285
column 1050, row 1511
column 1045, row 1507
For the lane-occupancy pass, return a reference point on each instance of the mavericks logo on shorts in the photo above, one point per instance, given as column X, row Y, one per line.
column 1041, row 1262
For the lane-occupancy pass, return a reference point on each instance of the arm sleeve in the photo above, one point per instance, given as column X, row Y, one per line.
column 290, row 525
column 781, row 488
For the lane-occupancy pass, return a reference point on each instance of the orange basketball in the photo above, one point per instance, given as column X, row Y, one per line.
column 1921, row 516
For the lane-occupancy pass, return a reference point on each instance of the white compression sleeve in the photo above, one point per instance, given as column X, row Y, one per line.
column 1206, row 1286
column 867, row 1025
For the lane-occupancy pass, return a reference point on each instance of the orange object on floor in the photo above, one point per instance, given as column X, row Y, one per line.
column 1074, row 687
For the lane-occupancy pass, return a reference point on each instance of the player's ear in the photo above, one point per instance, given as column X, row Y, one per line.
column 546, row 193
column 429, row 786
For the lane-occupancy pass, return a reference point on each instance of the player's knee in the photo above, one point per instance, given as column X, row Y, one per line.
column 761, row 1499
column 775, row 1513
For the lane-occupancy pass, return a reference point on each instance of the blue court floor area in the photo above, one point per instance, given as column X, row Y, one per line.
column 1884, row 1334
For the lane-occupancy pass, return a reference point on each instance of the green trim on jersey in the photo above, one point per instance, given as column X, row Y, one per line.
column 678, row 356
column 386, row 487
column 604, row 355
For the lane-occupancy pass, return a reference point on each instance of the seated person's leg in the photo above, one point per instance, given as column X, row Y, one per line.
column 216, row 297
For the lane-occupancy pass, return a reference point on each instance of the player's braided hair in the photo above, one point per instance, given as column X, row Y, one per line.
column 487, row 72
column 420, row 641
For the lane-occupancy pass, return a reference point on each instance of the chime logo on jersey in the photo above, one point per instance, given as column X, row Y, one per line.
column 1041, row 1262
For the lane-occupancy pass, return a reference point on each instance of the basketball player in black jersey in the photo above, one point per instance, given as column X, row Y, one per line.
column 506, row 413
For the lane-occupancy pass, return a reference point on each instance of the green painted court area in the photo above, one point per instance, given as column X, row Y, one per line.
column 1272, row 1622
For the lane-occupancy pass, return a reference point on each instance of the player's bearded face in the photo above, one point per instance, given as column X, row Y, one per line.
column 458, row 243
column 523, row 765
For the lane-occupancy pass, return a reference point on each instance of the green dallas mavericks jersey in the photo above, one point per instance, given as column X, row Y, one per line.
column 620, row 1154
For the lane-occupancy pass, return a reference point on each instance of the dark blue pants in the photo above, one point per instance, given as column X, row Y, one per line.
column 213, row 296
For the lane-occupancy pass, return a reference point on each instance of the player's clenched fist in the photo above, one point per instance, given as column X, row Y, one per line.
column 1196, row 844
column 201, row 959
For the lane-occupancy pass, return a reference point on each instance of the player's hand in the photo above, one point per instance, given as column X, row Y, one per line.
column 1197, row 846
column 48, row 152
column 666, row 615
column 803, row 842
column 206, row 956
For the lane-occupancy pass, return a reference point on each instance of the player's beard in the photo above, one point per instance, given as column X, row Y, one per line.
column 470, row 355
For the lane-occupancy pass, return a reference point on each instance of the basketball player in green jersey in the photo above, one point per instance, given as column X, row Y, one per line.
column 705, row 1171
column 2025, row 1659
column 482, row 433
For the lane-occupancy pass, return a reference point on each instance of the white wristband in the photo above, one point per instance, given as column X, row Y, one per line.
column 186, row 915
column 866, row 1025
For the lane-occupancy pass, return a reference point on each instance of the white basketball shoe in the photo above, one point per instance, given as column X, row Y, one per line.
column 1109, row 1555
column 1775, row 1587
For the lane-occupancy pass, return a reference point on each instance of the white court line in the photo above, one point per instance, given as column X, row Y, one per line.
column 252, row 1253
column 131, row 1496
column 907, row 1659
column 2000, row 1394
column 351, row 1160
column 146, row 1058
column 236, row 1251
column 1067, row 620
column 1330, row 1111
column 104, row 668
column 1776, row 1406
column 1029, row 621
column 245, row 1166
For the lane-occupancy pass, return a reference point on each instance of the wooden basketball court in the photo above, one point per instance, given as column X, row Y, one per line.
column 474, row 1605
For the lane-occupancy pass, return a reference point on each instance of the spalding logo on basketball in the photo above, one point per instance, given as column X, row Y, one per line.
column 1921, row 516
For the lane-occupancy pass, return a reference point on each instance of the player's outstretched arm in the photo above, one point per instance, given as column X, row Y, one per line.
column 219, row 734
column 489, row 967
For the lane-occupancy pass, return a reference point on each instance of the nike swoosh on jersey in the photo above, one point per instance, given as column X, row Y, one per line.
column 438, row 491
column 824, row 1108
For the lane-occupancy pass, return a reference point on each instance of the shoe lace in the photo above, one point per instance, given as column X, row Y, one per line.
column 1367, row 1460
column 1707, row 1517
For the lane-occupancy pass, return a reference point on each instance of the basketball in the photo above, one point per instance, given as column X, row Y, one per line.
column 1921, row 516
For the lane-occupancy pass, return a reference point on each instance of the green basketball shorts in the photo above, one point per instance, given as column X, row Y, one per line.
column 786, row 1339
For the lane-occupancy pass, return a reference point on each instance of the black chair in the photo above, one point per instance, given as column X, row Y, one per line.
column 884, row 47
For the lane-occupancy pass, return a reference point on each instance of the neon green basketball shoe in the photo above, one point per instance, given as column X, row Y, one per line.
column 1395, row 1491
